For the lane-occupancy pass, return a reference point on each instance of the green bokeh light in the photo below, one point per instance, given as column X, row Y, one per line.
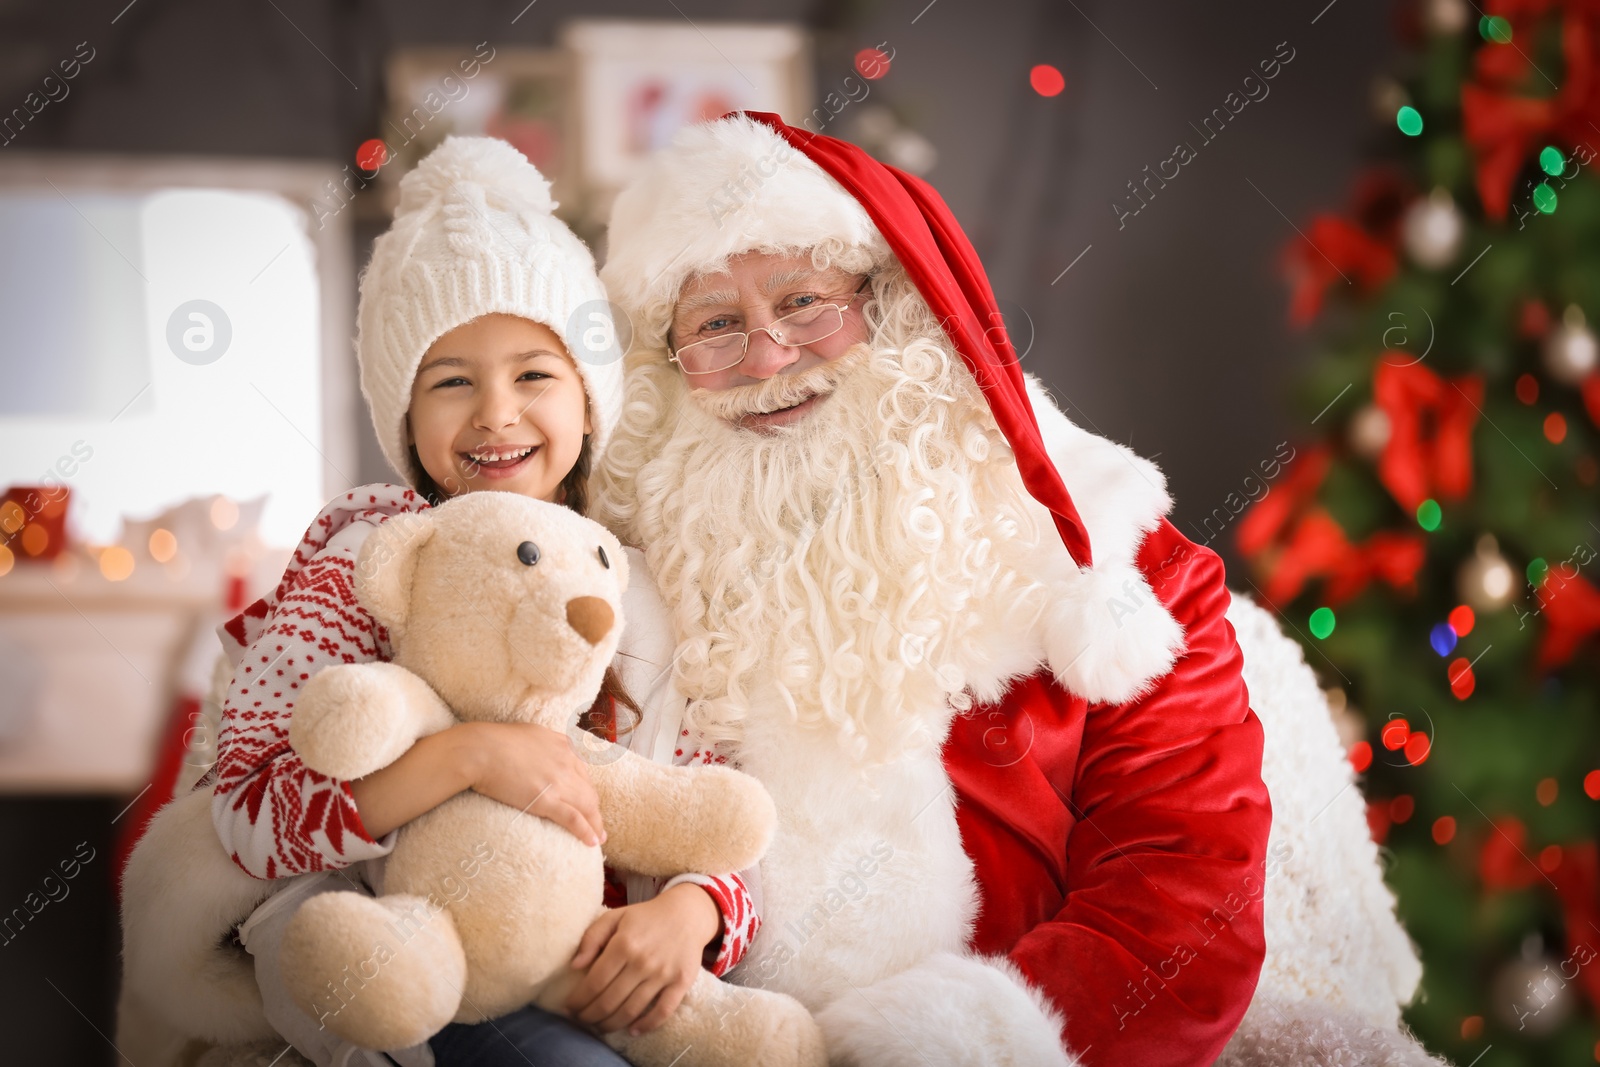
column 1544, row 197
column 1551, row 161
column 1495, row 28
column 1429, row 514
column 1322, row 622
column 1538, row 569
column 1409, row 120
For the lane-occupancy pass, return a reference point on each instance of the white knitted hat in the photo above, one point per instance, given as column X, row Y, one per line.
column 719, row 189
column 474, row 235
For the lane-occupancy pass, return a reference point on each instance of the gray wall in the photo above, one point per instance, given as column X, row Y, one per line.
column 1168, row 334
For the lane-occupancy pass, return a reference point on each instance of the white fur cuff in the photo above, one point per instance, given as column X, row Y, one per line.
column 956, row 1011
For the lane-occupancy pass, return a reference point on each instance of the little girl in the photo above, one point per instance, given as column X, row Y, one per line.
column 471, row 310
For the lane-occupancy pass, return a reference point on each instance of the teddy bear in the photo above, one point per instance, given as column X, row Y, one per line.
column 504, row 608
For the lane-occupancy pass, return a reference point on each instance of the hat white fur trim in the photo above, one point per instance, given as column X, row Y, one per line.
column 720, row 189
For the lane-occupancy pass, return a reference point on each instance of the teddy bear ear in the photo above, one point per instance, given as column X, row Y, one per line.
column 387, row 566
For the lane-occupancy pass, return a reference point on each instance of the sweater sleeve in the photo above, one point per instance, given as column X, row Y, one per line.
column 1164, row 860
column 276, row 816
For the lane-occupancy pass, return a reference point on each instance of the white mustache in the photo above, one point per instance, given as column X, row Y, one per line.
column 781, row 390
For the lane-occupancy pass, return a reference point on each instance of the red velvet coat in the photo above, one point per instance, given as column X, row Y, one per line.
column 1120, row 848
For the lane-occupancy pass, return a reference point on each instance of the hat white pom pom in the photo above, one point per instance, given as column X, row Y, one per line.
column 485, row 161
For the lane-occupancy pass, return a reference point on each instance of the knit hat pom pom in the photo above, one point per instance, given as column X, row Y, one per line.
column 481, row 161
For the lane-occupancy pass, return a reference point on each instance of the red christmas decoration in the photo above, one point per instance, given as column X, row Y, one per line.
column 1360, row 250
column 1429, row 451
column 1296, row 541
column 1570, row 608
column 1333, row 250
column 1590, row 390
column 1318, row 548
column 1503, row 128
column 1503, row 861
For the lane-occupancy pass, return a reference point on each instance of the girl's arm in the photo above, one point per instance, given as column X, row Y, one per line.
column 529, row 767
column 276, row 817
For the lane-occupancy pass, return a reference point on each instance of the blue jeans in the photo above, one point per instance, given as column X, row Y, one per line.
column 528, row 1036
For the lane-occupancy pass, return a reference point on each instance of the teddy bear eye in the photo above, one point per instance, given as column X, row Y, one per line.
column 604, row 562
column 528, row 553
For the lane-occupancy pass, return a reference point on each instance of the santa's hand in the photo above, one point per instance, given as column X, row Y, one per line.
column 951, row 1010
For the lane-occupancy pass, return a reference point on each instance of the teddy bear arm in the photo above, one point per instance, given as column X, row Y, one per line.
column 664, row 820
column 357, row 718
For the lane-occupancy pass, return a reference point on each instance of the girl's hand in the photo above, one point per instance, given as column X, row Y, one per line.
column 534, row 769
column 643, row 954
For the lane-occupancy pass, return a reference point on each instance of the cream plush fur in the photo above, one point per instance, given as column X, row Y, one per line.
column 480, row 906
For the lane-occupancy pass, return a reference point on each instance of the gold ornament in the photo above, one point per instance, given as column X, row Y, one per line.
column 1486, row 581
column 1570, row 352
column 1369, row 431
column 1530, row 994
column 1445, row 17
column 1432, row 230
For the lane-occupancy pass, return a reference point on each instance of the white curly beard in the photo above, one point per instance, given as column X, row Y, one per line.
column 847, row 569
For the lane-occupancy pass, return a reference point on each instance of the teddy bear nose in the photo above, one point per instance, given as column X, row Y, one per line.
column 591, row 617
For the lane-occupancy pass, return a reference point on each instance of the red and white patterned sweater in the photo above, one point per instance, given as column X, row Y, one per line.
column 276, row 816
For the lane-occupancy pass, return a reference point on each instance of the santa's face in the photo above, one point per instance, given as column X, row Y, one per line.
column 780, row 303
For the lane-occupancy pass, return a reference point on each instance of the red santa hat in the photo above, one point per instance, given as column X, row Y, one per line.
column 749, row 182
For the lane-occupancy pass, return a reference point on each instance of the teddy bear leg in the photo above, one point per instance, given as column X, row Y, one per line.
column 723, row 1025
column 383, row 973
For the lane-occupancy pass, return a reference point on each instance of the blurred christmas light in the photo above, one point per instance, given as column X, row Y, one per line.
column 1401, row 808
column 872, row 63
column 163, row 545
column 1442, row 638
column 1537, row 569
column 1550, row 859
column 1394, row 734
column 1409, row 119
column 1444, row 829
column 1555, row 427
column 1527, row 389
column 372, row 155
column 1417, row 748
column 224, row 513
column 6, row 561
column 1495, row 29
column 1462, row 620
column 1462, row 680
column 1544, row 198
column 1546, row 791
column 1591, row 784
column 1046, row 80
column 1361, row 759
column 1322, row 622
column 116, row 563
column 1429, row 514
column 1551, row 161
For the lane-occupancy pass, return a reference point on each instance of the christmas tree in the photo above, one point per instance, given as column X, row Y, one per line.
column 1437, row 545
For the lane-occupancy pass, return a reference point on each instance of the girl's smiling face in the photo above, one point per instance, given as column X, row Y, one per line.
column 497, row 403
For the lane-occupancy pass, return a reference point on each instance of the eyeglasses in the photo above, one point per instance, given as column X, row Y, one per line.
column 795, row 330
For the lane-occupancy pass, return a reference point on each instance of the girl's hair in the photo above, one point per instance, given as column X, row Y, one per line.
column 614, row 712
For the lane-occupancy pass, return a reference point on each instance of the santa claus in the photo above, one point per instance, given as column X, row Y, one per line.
column 1009, row 714
column 989, row 685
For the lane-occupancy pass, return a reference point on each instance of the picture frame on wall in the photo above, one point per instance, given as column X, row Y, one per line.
column 635, row 83
column 521, row 95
